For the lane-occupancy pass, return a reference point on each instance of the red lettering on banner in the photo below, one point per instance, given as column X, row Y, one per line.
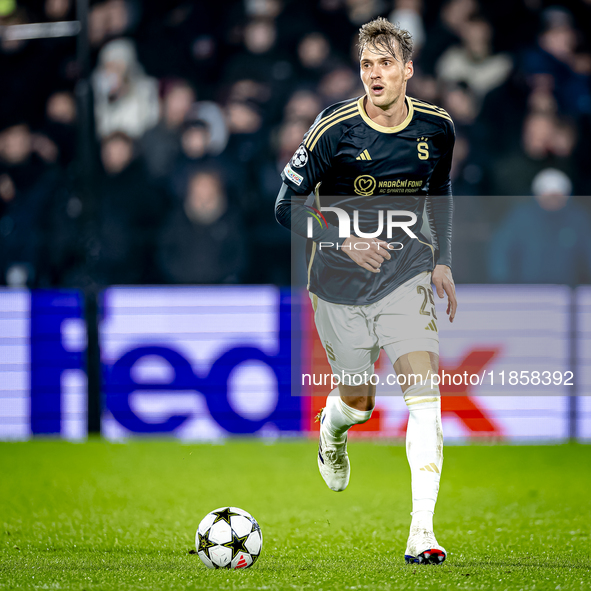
column 455, row 400
column 460, row 404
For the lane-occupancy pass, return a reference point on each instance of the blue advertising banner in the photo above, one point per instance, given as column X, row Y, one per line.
column 197, row 362
column 42, row 364
column 206, row 363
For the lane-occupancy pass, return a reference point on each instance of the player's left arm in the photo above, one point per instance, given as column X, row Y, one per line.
column 439, row 207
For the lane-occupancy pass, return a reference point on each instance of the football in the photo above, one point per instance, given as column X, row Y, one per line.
column 229, row 538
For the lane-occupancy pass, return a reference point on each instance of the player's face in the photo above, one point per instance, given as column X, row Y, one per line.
column 384, row 77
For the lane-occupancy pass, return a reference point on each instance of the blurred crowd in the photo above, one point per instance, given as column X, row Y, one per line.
column 197, row 106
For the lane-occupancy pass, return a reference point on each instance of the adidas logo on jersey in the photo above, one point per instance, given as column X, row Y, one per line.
column 431, row 326
column 364, row 156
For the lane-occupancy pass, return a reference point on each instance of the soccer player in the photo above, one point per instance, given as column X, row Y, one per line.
column 378, row 160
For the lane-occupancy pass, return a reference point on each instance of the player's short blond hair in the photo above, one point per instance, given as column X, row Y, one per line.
column 383, row 35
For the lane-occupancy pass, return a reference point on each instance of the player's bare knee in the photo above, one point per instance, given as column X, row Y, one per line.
column 417, row 367
column 434, row 362
column 360, row 397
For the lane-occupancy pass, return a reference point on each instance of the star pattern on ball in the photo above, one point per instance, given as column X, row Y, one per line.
column 236, row 544
column 255, row 525
column 205, row 544
column 224, row 515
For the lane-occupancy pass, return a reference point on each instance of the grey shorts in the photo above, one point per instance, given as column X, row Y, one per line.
column 402, row 322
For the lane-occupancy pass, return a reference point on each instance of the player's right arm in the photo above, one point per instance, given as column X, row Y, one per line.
column 292, row 213
column 300, row 176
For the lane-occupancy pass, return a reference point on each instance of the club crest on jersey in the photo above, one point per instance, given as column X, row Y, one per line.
column 423, row 148
column 364, row 185
column 300, row 158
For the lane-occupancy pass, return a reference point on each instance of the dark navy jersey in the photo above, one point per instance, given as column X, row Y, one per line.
column 367, row 170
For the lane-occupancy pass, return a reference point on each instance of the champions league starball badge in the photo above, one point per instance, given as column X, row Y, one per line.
column 300, row 157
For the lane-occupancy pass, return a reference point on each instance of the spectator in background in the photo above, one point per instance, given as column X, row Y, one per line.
column 265, row 234
column 274, row 65
column 259, row 59
column 125, row 99
column 302, row 106
column 473, row 62
column 285, row 142
column 29, row 70
column 314, row 56
column 499, row 128
column 245, row 123
column 204, row 137
column 214, row 117
column 202, row 240
column 557, row 56
column 246, row 143
column 26, row 187
column 194, row 155
column 182, row 40
column 460, row 103
column 338, row 85
column 546, row 240
column 467, row 171
column 129, row 214
column 408, row 14
column 424, row 86
column 111, row 19
column 60, row 125
column 362, row 11
column 58, row 10
column 468, row 167
column 446, row 31
column 161, row 145
column 546, row 143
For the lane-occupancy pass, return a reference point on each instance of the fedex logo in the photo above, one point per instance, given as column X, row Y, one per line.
column 42, row 364
column 197, row 362
column 193, row 362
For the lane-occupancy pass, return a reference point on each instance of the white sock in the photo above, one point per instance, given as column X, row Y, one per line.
column 424, row 450
column 422, row 520
column 339, row 417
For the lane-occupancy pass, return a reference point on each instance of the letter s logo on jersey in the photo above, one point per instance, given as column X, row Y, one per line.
column 423, row 149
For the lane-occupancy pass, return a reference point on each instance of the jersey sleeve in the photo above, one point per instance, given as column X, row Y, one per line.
column 312, row 159
column 439, row 204
column 440, row 182
column 292, row 213
column 300, row 176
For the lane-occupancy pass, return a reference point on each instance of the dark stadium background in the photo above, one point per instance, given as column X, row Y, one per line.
column 264, row 69
column 146, row 148
column 152, row 345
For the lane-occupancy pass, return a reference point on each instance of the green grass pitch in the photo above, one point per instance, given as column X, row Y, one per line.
column 105, row 516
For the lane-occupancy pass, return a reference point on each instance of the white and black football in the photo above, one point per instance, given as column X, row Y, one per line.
column 229, row 538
